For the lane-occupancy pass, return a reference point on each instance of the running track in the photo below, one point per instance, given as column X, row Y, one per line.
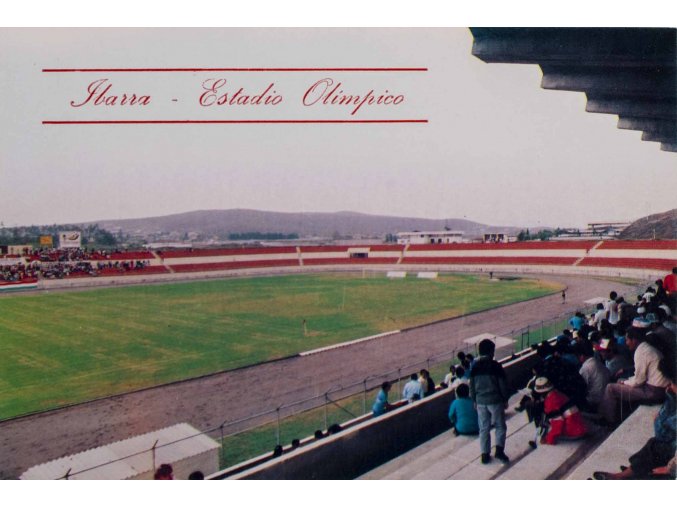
column 209, row 401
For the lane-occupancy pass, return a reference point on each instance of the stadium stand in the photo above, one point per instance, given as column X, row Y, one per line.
column 351, row 260
column 639, row 245
column 557, row 261
column 521, row 245
column 212, row 266
column 626, row 262
column 617, row 258
column 220, row 252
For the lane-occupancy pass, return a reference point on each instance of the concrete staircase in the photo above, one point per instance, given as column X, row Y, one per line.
column 448, row 457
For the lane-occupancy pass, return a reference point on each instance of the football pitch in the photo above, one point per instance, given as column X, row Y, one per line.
column 72, row 346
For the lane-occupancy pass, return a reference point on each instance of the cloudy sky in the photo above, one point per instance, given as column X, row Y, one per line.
column 495, row 148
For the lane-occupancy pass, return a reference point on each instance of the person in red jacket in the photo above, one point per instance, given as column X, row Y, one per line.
column 562, row 415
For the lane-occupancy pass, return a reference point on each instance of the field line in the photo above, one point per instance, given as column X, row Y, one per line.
column 345, row 344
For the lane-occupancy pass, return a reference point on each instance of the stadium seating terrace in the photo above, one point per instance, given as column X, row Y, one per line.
column 634, row 255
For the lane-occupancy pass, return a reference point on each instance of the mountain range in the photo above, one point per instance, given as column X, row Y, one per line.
column 658, row 226
column 221, row 223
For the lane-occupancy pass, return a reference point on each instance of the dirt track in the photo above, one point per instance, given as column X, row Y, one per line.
column 208, row 402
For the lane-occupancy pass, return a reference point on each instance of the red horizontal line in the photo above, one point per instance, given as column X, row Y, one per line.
column 174, row 122
column 255, row 69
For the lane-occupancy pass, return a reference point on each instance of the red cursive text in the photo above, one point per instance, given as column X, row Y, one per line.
column 325, row 92
column 98, row 95
column 211, row 97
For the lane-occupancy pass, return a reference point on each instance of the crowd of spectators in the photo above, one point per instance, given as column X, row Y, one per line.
column 62, row 263
column 600, row 368
column 18, row 272
column 72, row 254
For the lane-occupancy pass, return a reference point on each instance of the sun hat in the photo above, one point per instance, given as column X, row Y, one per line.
column 640, row 322
column 651, row 318
column 543, row 385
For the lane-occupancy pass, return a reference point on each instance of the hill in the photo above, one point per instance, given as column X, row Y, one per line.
column 221, row 223
column 658, row 226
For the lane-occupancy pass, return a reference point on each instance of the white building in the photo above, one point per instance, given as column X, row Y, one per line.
column 498, row 237
column 429, row 237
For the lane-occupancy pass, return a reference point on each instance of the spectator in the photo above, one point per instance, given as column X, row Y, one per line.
column 598, row 316
column 489, row 392
column 427, row 383
column 564, row 351
column 196, row 476
column 381, row 405
column 595, row 374
column 460, row 378
column 462, row 413
column 562, row 417
column 669, row 322
column 659, row 336
column 626, row 312
column 565, row 377
column 646, row 386
column 661, row 294
column 619, row 365
column 670, row 286
column 577, row 321
column 467, row 364
column 412, row 390
column 659, row 451
column 612, row 308
column 164, row 473
column 449, row 377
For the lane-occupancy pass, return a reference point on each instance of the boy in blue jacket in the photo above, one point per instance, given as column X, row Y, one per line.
column 489, row 392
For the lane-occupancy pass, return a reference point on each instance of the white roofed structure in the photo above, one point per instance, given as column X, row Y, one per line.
column 181, row 446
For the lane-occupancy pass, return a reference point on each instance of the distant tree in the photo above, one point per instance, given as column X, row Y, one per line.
column 544, row 234
column 104, row 238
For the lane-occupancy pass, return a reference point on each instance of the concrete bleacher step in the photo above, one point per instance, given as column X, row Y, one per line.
column 627, row 439
column 447, row 455
column 546, row 461
column 520, row 431
column 422, row 457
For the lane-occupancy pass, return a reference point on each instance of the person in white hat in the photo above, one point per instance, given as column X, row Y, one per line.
column 562, row 415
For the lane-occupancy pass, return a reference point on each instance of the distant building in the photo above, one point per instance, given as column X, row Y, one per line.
column 596, row 230
column 605, row 230
column 167, row 244
column 19, row 249
column 429, row 237
column 498, row 237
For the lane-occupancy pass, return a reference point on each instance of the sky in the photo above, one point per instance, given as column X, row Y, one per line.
column 495, row 149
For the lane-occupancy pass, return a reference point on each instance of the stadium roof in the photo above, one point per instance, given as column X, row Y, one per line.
column 629, row 72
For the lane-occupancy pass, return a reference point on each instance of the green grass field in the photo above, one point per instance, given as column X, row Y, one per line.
column 66, row 347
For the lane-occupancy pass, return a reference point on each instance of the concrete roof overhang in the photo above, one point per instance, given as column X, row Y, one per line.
column 629, row 72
